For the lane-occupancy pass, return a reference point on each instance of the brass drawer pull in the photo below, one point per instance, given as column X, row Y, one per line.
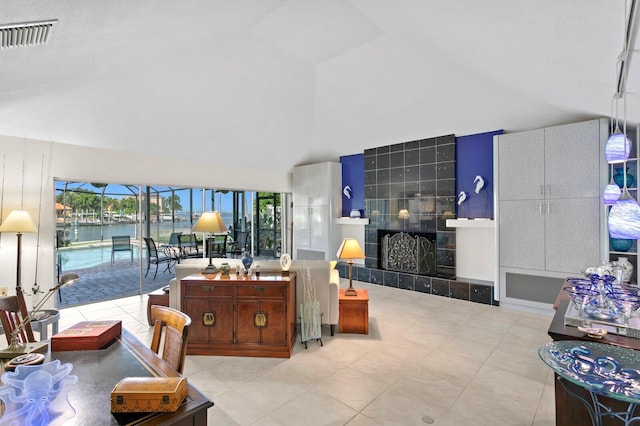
column 260, row 288
column 209, row 318
column 260, row 319
column 208, row 287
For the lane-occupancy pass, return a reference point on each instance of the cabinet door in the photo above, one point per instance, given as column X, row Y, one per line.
column 522, row 239
column 572, row 160
column 248, row 329
column 301, row 227
column 222, row 330
column 319, row 224
column 521, row 165
column 275, row 333
column 572, row 235
column 198, row 332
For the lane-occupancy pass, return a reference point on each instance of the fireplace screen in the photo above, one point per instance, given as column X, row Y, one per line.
column 411, row 252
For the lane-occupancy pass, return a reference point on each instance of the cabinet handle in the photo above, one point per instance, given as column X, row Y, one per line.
column 208, row 287
column 209, row 319
column 542, row 190
column 548, row 190
column 548, row 207
column 260, row 319
column 540, row 207
column 259, row 288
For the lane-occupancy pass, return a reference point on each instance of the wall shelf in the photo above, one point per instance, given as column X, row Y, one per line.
column 470, row 223
column 350, row 221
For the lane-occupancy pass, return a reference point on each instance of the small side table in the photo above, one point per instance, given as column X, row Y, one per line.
column 354, row 312
column 41, row 322
column 157, row 297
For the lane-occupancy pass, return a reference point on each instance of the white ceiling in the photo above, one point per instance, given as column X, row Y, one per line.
column 276, row 83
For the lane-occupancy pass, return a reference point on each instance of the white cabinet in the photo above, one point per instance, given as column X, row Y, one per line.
column 549, row 211
column 317, row 202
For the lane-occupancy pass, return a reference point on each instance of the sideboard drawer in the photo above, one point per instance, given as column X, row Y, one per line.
column 259, row 290
column 206, row 290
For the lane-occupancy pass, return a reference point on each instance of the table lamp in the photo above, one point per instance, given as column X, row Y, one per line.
column 212, row 223
column 20, row 222
column 350, row 249
column 17, row 348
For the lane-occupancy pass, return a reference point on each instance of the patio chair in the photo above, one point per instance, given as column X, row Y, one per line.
column 240, row 245
column 218, row 246
column 189, row 245
column 121, row 243
column 156, row 257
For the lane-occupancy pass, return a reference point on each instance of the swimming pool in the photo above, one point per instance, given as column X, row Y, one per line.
column 88, row 257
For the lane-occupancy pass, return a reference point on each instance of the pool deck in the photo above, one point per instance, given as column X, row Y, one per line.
column 108, row 281
column 112, row 281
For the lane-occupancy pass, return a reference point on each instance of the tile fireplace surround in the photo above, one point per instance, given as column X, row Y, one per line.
column 411, row 187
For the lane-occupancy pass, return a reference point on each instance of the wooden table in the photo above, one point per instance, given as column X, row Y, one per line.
column 99, row 371
column 157, row 297
column 570, row 411
column 354, row 312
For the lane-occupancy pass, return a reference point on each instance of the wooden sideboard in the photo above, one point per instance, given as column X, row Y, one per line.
column 240, row 315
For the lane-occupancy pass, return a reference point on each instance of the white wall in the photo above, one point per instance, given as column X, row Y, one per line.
column 27, row 182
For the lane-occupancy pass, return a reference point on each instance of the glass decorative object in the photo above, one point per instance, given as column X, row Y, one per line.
column 618, row 147
column 37, row 394
column 620, row 244
column 627, row 268
column 247, row 261
column 624, row 218
column 619, row 176
column 285, row 262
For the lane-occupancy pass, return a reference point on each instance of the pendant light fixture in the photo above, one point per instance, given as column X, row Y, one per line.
column 618, row 147
column 612, row 192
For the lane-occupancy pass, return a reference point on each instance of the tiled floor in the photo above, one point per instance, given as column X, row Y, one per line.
column 427, row 360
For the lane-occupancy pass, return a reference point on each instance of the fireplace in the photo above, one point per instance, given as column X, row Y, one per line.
column 410, row 252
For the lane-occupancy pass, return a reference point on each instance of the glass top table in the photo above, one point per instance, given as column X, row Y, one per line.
column 599, row 368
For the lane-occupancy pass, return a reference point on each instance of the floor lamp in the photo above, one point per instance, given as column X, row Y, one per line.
column 212, row 223
column 20, row 222
column 350, row 249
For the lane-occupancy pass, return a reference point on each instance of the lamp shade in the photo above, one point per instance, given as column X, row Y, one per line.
column 403, row 214
column 618, row 147
column 612, row 193
column 624, row 218
column 18, row 221
column 350, row 249
column 210, row 222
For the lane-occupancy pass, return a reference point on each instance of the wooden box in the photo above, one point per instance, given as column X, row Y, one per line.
column 86, row 336
column 148, row 394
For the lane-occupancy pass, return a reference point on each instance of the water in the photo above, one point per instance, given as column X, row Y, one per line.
column 73, row 259
column 80, row 233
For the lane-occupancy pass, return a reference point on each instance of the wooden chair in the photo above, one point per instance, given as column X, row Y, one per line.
column 175, row 325
column 121, row 243
column 155, row 258
column 11, row 319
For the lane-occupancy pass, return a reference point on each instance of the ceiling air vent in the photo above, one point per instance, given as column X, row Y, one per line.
column 25, row 34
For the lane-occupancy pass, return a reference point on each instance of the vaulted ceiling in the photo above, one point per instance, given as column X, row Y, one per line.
column 275, row 83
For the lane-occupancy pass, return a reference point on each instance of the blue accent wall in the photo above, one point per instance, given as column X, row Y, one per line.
column 353, row 176
column 474, row 157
